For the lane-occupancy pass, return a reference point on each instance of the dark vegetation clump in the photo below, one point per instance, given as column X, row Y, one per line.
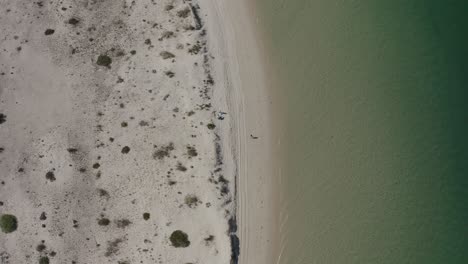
column 184, row 13
column 8, row 223
column 44, row 260
column 146, row 216
column 191, row 200
column 43, row 216
column 104, row 60
column 103, row 193
column 179, row 239
column 113, row 247
column 166, row 55
column 103, row 222
column 125, row 150
column 49, row 32
column 2, row 118
column 163, row 152
column 211, row 126
column 191, row 152
column 169, row 7
column 73, row 21
column 50, row 176
column 195, row 49
column 40, row 247
column 122, row 223
column 209, row 240
column 72, row 150
column 170, row 74
column 166, row 35
column 181, row 167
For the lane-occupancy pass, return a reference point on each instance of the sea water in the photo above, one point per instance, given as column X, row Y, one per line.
column 375, row 142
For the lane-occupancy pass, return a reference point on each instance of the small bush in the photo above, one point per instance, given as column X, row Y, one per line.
column 44, row 260
column 73, row 21
column 146, row 216
column 211, row 126
column 104, row 60
column 49, row 32
column 8, row 223
column 103, row 222
column 191, row 151
column 179, row 239
column 122, row 223
column 184, row 13
column 125, row 150
column 166, row 55
column 40, row 247
column 191, row 201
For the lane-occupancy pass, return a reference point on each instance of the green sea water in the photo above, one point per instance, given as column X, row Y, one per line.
column 375, row 131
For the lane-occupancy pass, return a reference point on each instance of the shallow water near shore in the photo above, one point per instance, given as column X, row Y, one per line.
column 375, row 142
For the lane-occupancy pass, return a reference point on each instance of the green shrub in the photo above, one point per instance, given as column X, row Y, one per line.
column 8, row 223
column 146, row 216
column 179, row 239
column 44, row 260
column 104, row 60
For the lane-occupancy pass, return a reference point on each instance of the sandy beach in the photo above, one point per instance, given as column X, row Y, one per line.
column 133, row 132
column 250, row 98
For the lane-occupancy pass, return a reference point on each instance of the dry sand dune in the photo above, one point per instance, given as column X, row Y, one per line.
column 111, row 139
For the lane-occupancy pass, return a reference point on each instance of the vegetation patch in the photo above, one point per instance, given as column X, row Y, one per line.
column 211, row 126
column 146, row 216
column 44, row 260
column 8, row 223
column 181, row 167
column 40, row 247
column 49, row 31
column 191, row 152
column 43, row 216
column 195, row 49
column 125, row 150
column 166, row 55
column 191, row 200
column 104, row 60
column 50, row 176
column 122, row 223
column 72, row 150
column 103, row 193
column 113, row 247
column 163, row 152
column 103, row 222
column 179, row 239
column 170, row 74
column 73, row 21
column 2, row 118
column 166, row 35
column 184, row 13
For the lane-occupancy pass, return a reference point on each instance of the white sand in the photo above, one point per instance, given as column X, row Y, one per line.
column 250, row 100
column 67, row 115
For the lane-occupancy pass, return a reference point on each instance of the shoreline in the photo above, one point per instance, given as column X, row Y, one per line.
column 237, row 42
